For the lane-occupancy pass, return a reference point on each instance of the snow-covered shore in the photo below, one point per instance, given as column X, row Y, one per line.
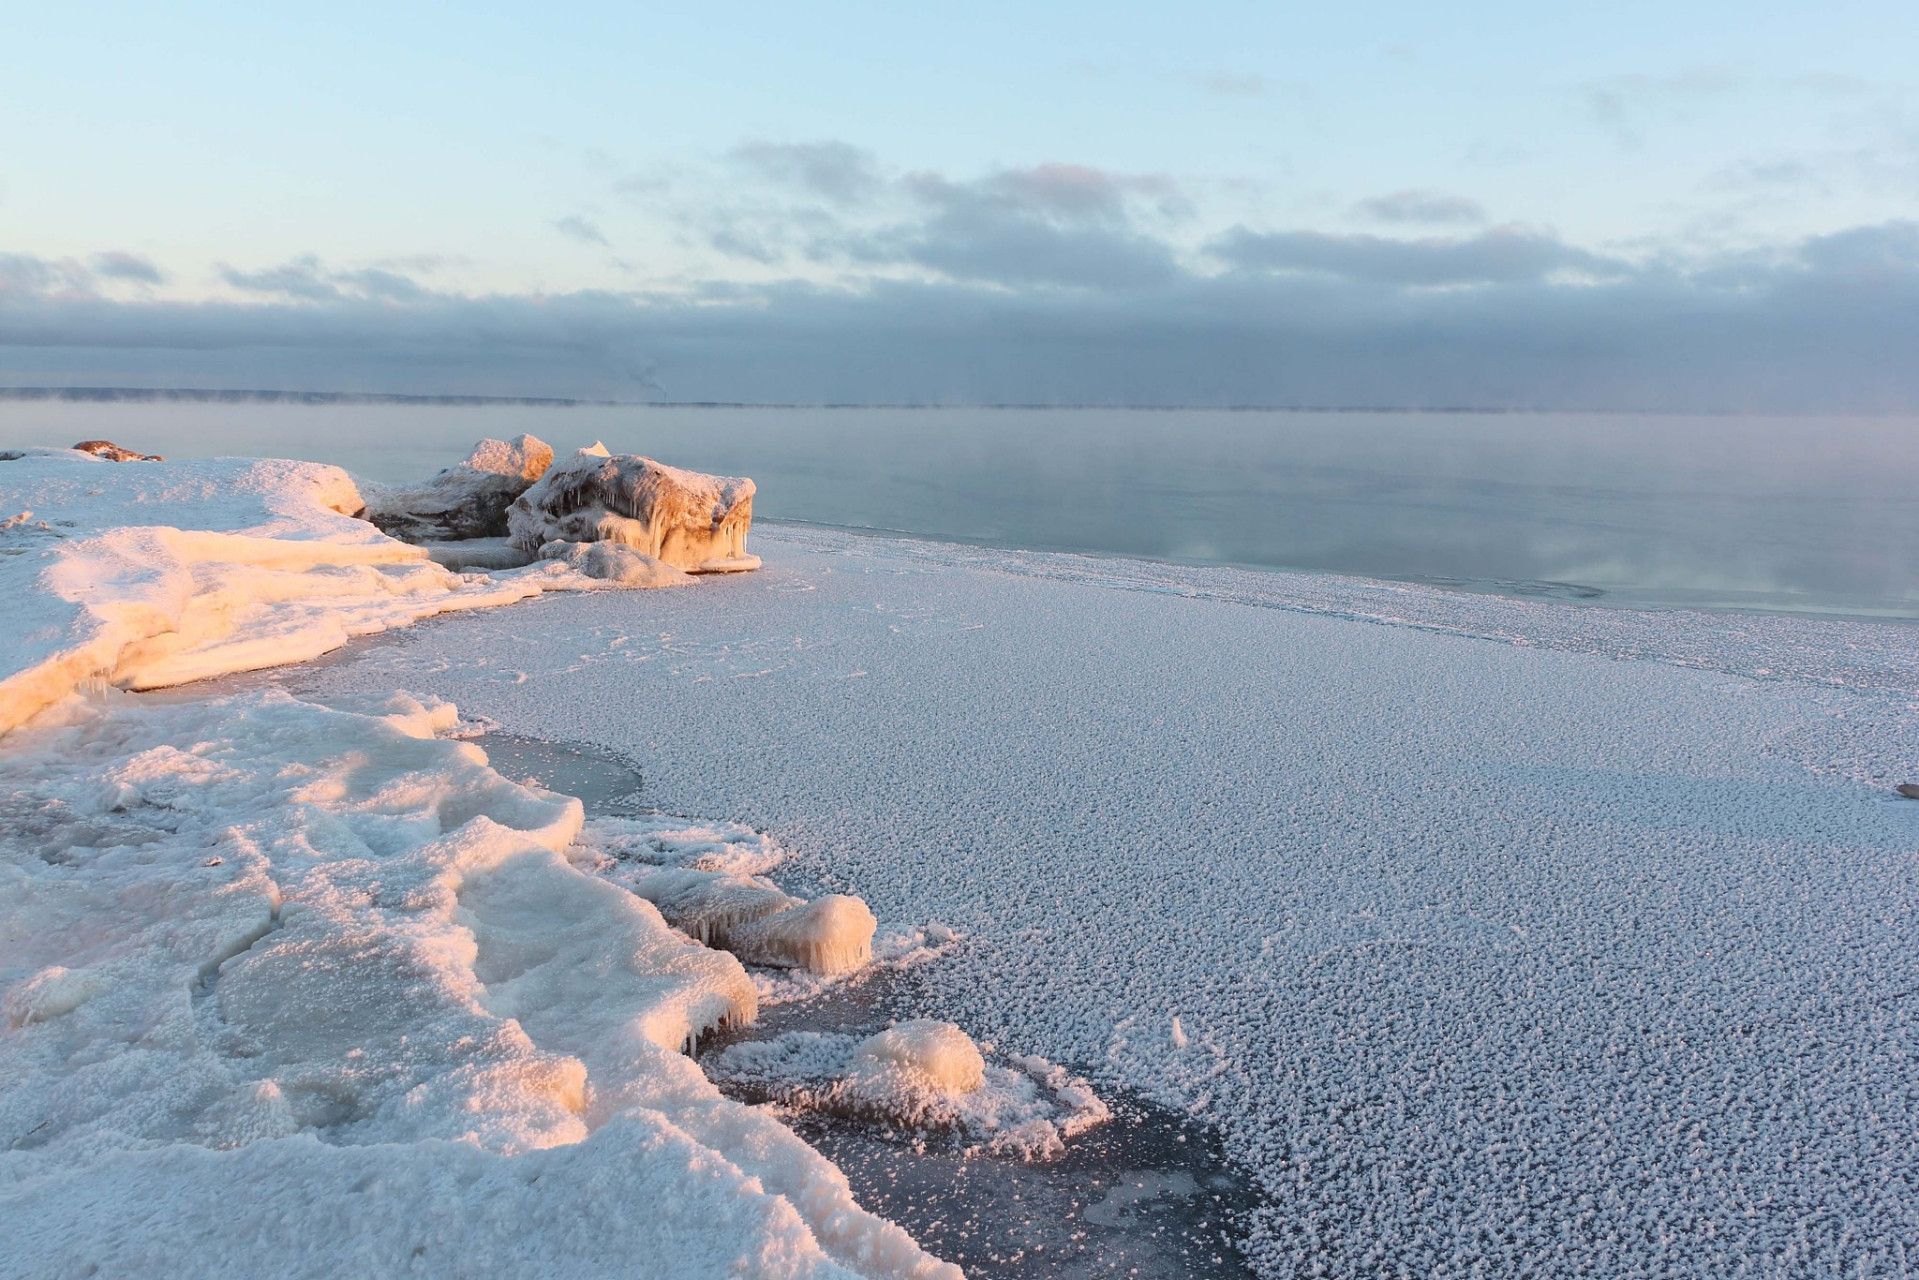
column 1497, row 937
column 304, row 989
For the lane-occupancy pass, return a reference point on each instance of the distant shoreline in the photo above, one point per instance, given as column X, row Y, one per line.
column 208, row 395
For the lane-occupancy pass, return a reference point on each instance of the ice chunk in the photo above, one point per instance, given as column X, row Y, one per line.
column 467, row 500
column 691, row 521
column 832, row 934
column 924, row 1054
column 615, row 563
column 923, row 1076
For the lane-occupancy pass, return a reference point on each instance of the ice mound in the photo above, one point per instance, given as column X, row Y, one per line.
column 922, row 1054
column 108, row 451
column 924, row 1076
column 693, row 522
column 616, row 563
column 466, row 500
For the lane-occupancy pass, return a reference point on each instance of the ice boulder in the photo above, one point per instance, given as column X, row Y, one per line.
column 833, row 934
column 691, row 521
column 615, row 563
column 111, row 452
column 467, row 500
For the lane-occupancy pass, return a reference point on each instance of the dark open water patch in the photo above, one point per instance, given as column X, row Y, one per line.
column 1147, row 1194
column 606, row 783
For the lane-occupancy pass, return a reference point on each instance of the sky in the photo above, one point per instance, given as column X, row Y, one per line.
column 1678, row 205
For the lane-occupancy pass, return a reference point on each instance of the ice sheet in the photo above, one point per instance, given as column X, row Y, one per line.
column 1496, row 935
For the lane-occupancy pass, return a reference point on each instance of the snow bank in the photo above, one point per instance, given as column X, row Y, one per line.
column 691, row 521
column 157, row 574
column 237, row 926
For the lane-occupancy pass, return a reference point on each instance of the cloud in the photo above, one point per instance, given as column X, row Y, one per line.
column 306, row 279
column 26, row 275
column 837, row 172
column 1293, row 318
column 1504, row 255
column 1430, row 207
column 117, row 265
column 575, row 227
column 1048, row 225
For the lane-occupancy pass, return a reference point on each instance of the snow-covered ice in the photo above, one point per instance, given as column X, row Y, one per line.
column 1495, row 936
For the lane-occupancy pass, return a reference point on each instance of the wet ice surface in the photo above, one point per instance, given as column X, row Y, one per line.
column 1490, row 934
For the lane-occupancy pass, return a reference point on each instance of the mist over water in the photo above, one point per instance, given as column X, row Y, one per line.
column 1816, row 514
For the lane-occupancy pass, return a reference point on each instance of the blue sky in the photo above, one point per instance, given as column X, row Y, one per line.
column 624, row 200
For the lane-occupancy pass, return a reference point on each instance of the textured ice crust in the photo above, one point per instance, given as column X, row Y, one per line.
column 693, row 522
column 272, row 966
column 1496, row 936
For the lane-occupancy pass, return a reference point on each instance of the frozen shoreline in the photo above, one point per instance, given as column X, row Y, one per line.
column 1485, row 931
column 1494, row 929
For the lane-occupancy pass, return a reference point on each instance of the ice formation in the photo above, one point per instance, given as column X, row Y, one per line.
column 615, row 562
column 328, row 923
column 830, row 934
column 924, row 1076
column 466, row 500
column 693, row 522
column 1503, row 934
column 107, row 451
column 167, row 572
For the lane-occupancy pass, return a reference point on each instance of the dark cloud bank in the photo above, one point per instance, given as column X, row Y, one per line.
column 1046, row 286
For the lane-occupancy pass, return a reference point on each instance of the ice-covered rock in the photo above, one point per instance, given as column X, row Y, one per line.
column 614, row 562
column 691, row 521
column 111, row 452
column 467, row 500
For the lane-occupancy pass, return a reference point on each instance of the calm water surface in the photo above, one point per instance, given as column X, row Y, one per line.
column 1817, row 514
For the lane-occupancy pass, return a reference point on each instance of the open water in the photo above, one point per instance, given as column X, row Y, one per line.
column 1792, row 514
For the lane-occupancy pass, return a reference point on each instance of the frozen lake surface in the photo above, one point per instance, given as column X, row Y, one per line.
column 1814, row 514
column 1492, row 935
